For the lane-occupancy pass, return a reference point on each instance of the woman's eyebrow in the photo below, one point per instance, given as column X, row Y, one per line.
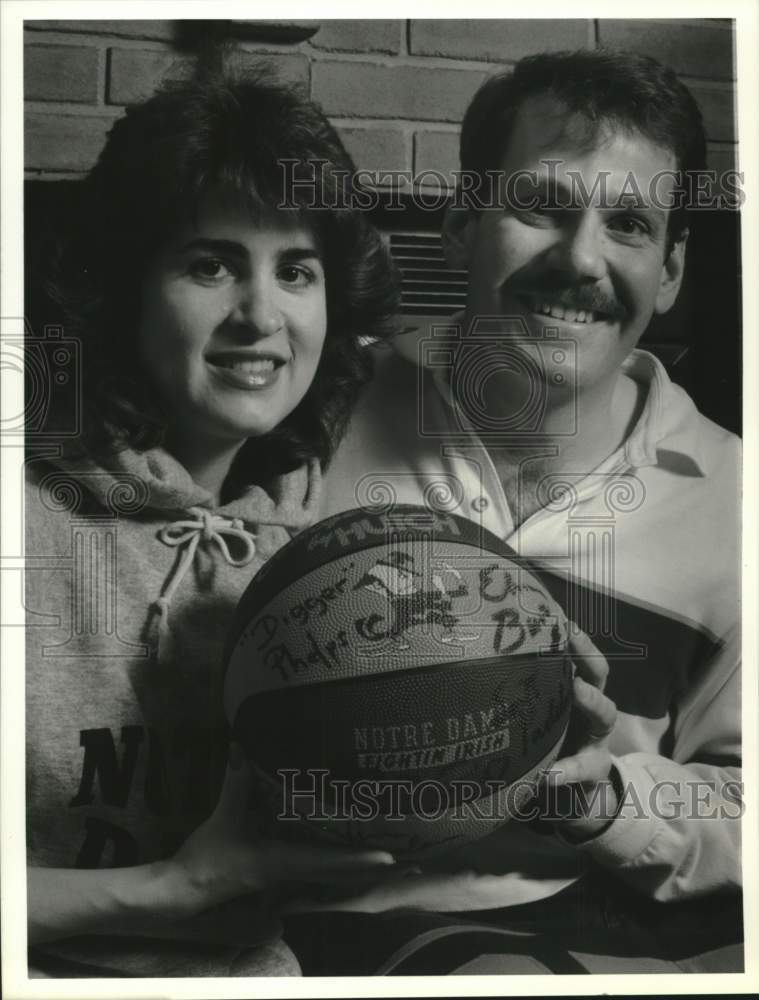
column 215, row 245
column 300, row 253
column 210, row 245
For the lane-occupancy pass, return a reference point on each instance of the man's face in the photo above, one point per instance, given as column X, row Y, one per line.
column 595, row 268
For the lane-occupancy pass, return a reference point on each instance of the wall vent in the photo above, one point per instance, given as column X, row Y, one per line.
column 428, row 286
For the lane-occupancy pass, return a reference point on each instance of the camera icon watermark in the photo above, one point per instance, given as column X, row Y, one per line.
column 498, row 376
column 42, row 382
column 381, row 492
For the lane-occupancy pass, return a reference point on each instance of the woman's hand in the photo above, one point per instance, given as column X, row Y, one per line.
column 578, row 791
column 219, row 862
column 221, row 859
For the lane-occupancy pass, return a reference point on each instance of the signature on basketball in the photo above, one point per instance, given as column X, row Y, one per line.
column 434, row 600
column 409, row 604
column 527, row 616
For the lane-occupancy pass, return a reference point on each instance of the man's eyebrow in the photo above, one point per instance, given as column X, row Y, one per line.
column 570, row 193
column 631, row 200
column 544, row 183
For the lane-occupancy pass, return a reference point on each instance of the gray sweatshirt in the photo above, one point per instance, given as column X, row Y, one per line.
column 132, row 578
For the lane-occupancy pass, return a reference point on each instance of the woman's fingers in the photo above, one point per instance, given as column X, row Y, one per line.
column 287, row 861
column 235, row 789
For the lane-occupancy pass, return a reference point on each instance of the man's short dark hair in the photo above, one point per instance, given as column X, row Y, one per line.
column 622, row 89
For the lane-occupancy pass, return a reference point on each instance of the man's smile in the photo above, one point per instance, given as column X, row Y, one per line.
column 544, row 306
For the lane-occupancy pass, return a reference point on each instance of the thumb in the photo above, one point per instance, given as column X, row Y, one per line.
column 303, row 861
column 236, row 787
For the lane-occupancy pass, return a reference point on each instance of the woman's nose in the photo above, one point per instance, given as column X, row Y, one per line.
column 257, row 308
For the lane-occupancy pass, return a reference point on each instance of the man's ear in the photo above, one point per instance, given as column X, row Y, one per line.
column 672, row 275
column 456, row 237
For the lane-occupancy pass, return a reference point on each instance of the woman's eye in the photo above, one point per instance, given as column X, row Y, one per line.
column 209, row 269
column 296, row 274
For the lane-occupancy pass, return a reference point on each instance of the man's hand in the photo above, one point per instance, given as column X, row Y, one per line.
column 578, row 791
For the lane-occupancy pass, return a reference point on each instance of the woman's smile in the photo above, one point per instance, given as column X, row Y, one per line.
column 246, row 371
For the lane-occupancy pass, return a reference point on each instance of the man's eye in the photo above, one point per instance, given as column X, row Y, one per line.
column 296, row 274
column 628, row 225
column 543, row 210
column 209, row 269
column 534, row 215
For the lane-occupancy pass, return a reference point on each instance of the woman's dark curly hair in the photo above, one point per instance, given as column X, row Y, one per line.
column 233, row 135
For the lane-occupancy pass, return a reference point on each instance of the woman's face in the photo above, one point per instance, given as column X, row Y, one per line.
column 233, row 322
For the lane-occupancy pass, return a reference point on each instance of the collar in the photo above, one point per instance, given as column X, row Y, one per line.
column 667, row 429
column 666, row 433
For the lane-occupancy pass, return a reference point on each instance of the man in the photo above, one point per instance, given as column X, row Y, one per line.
column 535, row 415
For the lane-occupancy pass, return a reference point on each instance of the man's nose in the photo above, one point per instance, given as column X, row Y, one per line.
column 256, row 307
column 579, row 249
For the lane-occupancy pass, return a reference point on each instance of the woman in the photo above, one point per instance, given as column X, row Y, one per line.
column 220, row 347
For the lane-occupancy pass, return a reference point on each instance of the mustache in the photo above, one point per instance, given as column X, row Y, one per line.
column 587, row 297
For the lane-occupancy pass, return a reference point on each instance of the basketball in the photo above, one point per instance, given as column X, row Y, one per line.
column 397, row 680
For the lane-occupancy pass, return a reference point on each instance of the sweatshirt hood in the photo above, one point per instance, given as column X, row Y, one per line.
column 152, row 485
column 131, row 482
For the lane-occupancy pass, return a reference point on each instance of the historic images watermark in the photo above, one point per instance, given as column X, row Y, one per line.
column 304, row 185
column 313, row 794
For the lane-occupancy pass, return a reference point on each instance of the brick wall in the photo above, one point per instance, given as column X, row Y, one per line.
column 395, row 89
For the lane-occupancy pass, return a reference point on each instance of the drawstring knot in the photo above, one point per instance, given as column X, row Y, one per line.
column 211, row 529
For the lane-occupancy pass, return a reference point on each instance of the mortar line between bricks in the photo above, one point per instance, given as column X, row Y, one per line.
column 52, row 27
column 64, row 42
column 414, row 61
column 684, row 22
column 45, row 39
column 62, row 109
column 369, row 124
column 251, row 47
column 321, row 54
column 102, row 77
column 711, row 83
column 48, row 174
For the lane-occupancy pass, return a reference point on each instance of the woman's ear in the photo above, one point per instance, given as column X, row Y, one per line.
column 456, row 237
column 672, row 272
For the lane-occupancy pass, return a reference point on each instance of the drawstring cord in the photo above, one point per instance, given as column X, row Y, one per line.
column 206, row 527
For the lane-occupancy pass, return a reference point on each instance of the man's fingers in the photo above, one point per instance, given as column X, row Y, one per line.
column 589, row 661
column 600, row 712
column 588, row 767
